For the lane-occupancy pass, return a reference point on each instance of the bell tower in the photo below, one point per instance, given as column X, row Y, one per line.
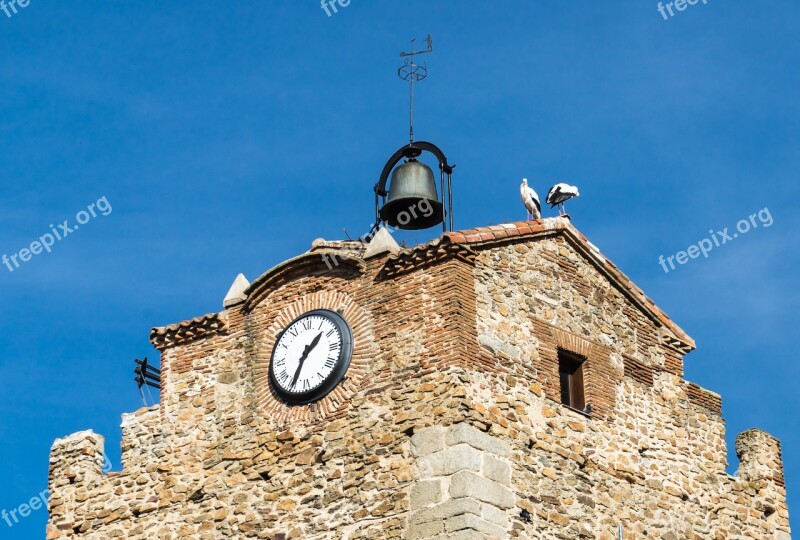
column 413, row 202
column 497, row 383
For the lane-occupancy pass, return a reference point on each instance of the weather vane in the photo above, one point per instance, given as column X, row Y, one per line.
column 412, row 73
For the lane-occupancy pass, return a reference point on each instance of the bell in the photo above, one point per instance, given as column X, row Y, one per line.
column 413, row 203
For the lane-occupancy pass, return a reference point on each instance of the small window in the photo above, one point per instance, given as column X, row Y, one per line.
column 570, row 371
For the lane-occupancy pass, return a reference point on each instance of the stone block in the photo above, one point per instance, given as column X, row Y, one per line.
column 427, row 441
column 236, row 294
column 425, row 493
column 494, row 515
column 450, row 461
column 469, row 484
column 497, row 470
column 382, row 242
column 453, row 507
column 424, row 530
column 469, row 521
column 466, row 434
column 467, row 534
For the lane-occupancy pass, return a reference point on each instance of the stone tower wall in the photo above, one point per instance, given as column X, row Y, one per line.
column 448, row 425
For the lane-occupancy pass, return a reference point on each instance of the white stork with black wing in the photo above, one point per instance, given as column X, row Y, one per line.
column 559, row 194
column 531, row 200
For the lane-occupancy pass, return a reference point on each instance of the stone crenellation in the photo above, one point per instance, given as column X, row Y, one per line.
column 449, row 423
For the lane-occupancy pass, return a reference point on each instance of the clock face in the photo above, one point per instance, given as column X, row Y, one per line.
column 311, row 357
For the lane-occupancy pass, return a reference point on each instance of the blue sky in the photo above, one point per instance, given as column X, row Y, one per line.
column 226, row 136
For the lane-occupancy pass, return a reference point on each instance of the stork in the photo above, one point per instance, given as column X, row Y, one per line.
column 559, row 194
column 531, row 200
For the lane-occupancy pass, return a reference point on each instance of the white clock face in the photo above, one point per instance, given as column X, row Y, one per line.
column 310, row 356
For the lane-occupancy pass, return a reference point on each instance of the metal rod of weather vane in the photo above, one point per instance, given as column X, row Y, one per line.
column 411, row 108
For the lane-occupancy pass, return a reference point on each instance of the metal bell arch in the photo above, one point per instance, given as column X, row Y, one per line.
column 412, row 190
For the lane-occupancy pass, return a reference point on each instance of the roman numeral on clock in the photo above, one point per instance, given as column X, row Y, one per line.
column 330, row 362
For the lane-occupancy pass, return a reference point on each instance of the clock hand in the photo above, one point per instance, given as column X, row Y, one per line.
column 302, row 360
column 300, row 366
column 314, row 342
